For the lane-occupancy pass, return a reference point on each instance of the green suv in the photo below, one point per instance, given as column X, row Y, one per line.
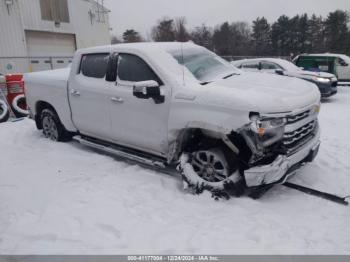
column 336, row 64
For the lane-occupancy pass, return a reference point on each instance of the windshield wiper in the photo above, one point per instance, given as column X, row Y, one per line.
column 208, row 82
column 228, row 76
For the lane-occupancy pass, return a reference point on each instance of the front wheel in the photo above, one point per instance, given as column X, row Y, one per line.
column 211, row 170
column 52, row 126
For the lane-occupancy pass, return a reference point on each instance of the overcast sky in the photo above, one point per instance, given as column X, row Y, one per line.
column 141, row 15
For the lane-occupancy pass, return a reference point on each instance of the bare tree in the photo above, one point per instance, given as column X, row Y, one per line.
column 181, row 33
column 203, row 35
column 164, row 31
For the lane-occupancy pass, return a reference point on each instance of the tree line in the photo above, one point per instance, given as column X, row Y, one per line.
column 287, row 36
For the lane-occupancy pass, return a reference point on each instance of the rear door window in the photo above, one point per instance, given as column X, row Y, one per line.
column 269, row 66
column 251, row 65
column 132, row 68
column 94, row 65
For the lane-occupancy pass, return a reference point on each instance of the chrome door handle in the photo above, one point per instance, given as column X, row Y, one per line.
column 117, row 100
column 75, row 92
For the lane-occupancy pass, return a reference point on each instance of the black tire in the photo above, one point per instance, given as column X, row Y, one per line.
column 226, row 183
column 17, row 102
column 52, row 126
column 4, row 112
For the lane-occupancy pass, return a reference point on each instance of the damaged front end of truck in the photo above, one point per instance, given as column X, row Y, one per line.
column 265, row 151
column 279, row 144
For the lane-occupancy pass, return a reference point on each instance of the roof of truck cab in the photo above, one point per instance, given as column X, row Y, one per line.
column 142, row 46
column 159, row 52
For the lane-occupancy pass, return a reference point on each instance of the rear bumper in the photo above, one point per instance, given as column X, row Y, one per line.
column 284, row 166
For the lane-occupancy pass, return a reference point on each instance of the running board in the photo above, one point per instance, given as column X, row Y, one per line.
column 121, row 152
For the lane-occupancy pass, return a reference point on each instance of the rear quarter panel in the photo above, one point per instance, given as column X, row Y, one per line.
column 50, row 87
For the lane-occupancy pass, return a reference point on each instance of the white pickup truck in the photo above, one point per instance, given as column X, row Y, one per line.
column 180, row 105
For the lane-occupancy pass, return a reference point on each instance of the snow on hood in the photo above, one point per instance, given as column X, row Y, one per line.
column 264, row 93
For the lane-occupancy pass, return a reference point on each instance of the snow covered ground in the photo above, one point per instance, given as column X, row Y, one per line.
column 67, row 199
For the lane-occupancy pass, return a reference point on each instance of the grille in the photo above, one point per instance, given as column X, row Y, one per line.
column 295, row 118
column 295, row 139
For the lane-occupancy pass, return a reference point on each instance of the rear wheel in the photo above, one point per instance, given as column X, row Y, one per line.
column 212, row 170
column 52, row 126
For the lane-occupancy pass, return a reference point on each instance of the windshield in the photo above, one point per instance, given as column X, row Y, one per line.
column 289, row 66
column 203, row 64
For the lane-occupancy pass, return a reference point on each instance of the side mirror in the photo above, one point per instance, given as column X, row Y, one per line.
column 279, row 72
column 148, row 89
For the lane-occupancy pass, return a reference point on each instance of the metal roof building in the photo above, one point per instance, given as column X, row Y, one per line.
column 43, row 34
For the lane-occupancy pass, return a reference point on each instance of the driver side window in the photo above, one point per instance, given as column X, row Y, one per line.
column 251, row 65
column 132, row 68
column 340, row 62
column 269, row 66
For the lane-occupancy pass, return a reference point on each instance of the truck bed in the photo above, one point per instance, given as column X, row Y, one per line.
column 57, row 78
column 51, row 87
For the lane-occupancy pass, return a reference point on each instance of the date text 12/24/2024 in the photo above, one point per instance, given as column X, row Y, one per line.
column 173, row 258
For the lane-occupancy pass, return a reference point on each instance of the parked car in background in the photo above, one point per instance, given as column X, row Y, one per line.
column 174, row 104
column 336, row 64
column 326, row 82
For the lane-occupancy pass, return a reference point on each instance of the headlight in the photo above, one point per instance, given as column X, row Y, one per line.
column 315, row 110
column 322, row 79
column 268, row 130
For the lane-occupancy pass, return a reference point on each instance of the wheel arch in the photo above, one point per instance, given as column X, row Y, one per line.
column 190, row 139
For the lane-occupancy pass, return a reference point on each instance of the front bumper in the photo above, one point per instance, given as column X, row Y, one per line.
column 284, row 166
column 328, row 90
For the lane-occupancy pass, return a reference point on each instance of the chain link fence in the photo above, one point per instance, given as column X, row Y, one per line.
column 27, row 64
column 231, row 58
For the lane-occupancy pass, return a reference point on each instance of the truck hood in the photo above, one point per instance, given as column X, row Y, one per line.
column 264, row 93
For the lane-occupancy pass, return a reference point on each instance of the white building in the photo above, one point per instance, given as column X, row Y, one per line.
column 43, row 34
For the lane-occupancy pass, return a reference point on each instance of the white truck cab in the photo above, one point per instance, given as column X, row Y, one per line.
column 178, row 104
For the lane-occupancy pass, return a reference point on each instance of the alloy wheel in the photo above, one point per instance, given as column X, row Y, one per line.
column 50, row 128
column 210, row 165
